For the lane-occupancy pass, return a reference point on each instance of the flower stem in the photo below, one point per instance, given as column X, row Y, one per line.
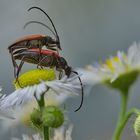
column 41, row 104
column 41, row 101
column 46, row 133
column 121, row 123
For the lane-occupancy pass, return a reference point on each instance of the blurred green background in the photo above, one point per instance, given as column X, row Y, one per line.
column 89, row 30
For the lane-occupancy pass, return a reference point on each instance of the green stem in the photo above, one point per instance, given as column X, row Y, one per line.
column 125, row 119
column 46, row 133
column 41, row 104
column 120, row 123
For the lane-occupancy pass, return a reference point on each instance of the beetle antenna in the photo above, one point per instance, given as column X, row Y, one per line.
column 48, row 18
column 38, row 22
column 82, row 89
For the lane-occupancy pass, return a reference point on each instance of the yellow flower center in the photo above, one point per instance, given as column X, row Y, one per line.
column 109, row 63
column 33, row 77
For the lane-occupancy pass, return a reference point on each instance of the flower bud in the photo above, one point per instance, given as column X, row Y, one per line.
column 36, row 118
column 137, row 126
column 52, row 116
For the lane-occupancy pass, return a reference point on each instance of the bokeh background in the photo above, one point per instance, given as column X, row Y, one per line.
column 89, row 30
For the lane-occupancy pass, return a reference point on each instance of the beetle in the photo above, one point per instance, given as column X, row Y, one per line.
column 36, row 41
column 50, row 59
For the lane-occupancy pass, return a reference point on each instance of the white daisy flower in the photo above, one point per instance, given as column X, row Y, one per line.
column 13, row 108
column 123, row 66
column 35, row 83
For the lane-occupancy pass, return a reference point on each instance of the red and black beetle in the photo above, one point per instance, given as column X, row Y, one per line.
column 35, row 41
column 48, row 58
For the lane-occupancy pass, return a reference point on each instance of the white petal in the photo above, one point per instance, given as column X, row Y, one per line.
column 69, row 133
column 37, row 137
column 89, row 77
column 63, row 133
column 5, row 102
column 25, row 137
column 41, row 88
column 29, row 95
column 59, row 87
column 134, row 54
column 6, row 114
column 16, row 98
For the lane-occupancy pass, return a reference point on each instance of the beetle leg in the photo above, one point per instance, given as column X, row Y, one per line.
column 40, row 48
column 19, row 68
column 53, row 47
column 39, row 64
column 22, row 62
column 39, row 67
column 28, row 44
column 60, row 74
column 14, row 64
column 59, row 67
column 52, row 60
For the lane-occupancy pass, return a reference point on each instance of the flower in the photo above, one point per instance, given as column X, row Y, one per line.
column 119, row 71
column 15, row 111
column 61, row 133
column 36, row 82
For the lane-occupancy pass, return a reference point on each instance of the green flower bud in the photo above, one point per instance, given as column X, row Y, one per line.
column 52, row 116
column 36, row 119
column 137, row 126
